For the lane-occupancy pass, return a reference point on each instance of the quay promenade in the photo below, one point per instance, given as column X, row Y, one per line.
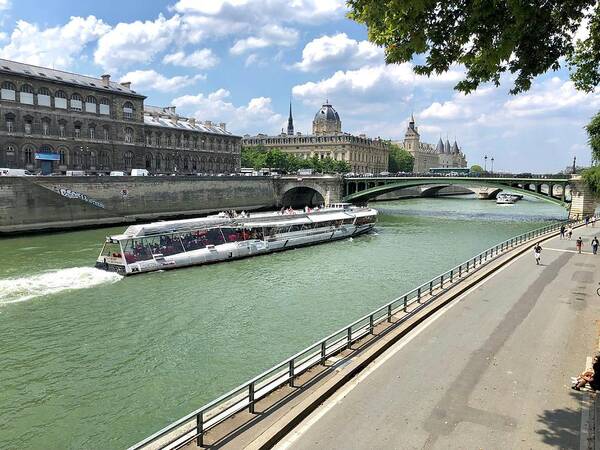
column 490, row 370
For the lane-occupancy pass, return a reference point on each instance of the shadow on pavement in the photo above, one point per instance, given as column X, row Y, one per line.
column 561, row 427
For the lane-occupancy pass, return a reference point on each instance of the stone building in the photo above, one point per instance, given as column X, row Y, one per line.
column 426, row 155
column 364, row 155
column 54, row 121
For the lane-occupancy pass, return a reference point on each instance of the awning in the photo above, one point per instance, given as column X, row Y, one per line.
column 47, row 156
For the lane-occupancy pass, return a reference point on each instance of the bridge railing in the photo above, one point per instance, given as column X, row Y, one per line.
column 194, row 425
column 531, row 176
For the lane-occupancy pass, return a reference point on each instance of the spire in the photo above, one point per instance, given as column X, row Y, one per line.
column 290, row 128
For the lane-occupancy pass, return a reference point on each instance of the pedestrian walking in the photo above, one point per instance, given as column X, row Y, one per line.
column 537, row 253
column 579, row 244
column 570, row 232
column 587, row 220
column 595, row 245
column 562, row 231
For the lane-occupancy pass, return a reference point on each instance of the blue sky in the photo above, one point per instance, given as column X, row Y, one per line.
column 240, row 62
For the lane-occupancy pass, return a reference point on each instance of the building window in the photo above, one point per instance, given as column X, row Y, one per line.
column 149, row 140
column 128, row 110
column 194, row 164
column 28, row 125
column 157, row 140
column 128, row 160
column 93, row 160
column 60, row 100
column 8, row 91
column 92, row 131
column 77, row 130
column 43, row 97
column 186, row 163
column 61, row 129
column 106, row 133
column 26, row 95
column 104, row 106
column 90, row 104
column 148, row 161
column 128, row 136
column 45, row 127
column 76, row 102
column 28, row 155
column 168, row 140
column 158, row 162
column 10, row 123
column 61, row 154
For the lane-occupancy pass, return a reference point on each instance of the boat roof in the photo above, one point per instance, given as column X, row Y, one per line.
column 270, row 219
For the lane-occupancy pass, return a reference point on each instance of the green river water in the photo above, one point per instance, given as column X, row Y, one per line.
column 91, row 360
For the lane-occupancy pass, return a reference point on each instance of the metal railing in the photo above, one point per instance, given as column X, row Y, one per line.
column 244, row 397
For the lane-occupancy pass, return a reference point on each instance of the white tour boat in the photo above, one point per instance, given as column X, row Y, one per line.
column 504, row 198
column 190, row 242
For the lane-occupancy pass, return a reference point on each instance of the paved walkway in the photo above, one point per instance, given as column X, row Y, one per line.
column 491, row 370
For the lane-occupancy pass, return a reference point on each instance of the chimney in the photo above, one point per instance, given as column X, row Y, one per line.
column 223, row 125
column 105, row 79
column 126, row 84
column 192, row 121
column 172, row 110
column 208, row 123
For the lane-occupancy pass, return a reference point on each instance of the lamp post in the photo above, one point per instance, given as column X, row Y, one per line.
column 492, row 171
column 485, row 163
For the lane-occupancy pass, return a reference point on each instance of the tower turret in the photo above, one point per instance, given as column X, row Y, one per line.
column 290, row 127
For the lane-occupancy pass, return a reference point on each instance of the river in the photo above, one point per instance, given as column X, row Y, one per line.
column 92, row 360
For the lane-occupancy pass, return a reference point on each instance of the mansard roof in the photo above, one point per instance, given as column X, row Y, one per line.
column 63, row 77
column 166, row 117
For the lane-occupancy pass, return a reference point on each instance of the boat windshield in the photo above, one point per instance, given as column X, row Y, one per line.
column 111, row 250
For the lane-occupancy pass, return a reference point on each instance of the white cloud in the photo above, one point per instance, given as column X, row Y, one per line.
column 338, row 50
column 200, row 59
column 4, row 4
column 150, row 79
column 136, row 42
column 53, row 47
column 552, row 96
column 265, row 11
column 380, row 81
column 269, row 35
column 257, row 114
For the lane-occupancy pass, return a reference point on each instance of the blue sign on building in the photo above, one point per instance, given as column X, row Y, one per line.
column 47, row 156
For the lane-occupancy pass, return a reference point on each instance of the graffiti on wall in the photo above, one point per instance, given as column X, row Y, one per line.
column 68, row 193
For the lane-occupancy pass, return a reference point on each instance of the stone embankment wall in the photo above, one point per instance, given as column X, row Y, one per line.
column 46, row 203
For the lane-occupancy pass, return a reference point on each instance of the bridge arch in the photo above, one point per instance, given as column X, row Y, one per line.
column 526, row 187
column 301, row 196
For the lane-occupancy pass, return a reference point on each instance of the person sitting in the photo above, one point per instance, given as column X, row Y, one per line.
column 588, row 376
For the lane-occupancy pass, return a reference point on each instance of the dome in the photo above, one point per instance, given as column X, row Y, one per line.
column 326, row 113
column 327, row 120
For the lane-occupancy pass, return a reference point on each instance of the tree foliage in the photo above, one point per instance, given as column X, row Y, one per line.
column 490, row 38
column 593, row 131
column 476, row 168
column 260, row 157
column 400, row 160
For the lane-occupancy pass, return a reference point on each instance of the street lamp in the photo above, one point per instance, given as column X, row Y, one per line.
column 485, row 163
column 492, row 165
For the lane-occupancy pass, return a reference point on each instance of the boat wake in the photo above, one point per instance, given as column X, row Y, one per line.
column 14, row 290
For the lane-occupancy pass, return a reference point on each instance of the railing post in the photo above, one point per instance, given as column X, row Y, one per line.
column 451, row 276
column 441, row 281
column 389, row 313
column 480, row 259
column 460, row 271
column 200, row 429
column 467, row 266
column 323, row 351
column 419, row 295
column 349, row 336
column 371, row 324
column 431, row 287
column 291, row 373
column 405, row 302
column 251, row 398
